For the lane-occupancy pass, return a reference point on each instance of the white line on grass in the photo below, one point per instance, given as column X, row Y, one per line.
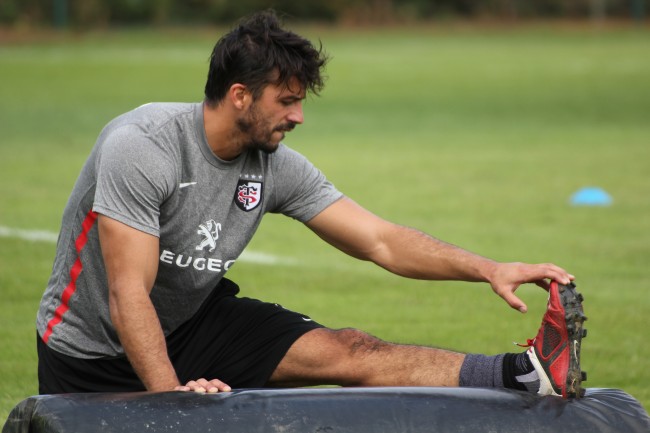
column 28, row 235
column 51, row 237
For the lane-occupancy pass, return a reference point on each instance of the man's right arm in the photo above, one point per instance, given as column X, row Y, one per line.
column 131, row 261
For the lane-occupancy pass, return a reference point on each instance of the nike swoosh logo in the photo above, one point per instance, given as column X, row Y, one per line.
column 307, row 320
column 186, row 184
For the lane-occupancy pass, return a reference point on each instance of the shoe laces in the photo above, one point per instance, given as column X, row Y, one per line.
column 529, row 343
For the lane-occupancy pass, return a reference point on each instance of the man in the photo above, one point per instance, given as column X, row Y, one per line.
column 168, row 199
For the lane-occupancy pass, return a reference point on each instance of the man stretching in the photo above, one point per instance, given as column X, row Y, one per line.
column 169, row 198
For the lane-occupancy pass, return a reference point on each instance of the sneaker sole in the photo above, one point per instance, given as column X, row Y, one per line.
column 575, row 318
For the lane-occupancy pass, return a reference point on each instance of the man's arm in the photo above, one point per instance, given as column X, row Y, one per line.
column 411, row 253
column 131, row 261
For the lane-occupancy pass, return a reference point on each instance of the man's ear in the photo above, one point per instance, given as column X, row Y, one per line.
column 239, row 96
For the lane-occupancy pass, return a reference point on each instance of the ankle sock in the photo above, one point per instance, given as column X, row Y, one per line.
column 482, row 371
column 519, row 372
column 509, row 370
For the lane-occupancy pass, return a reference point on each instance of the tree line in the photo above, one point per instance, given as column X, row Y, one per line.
column 93, row 13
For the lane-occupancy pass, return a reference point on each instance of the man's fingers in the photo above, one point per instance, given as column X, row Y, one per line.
column 182, row 388
column 508, row 276
column 556, row 273
column 202, row 385
column 195, row 385
column 507, row 293
column 515, row 303
column 552, row 272
column 215, row 385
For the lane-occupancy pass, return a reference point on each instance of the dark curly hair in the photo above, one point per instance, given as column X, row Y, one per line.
column 259, row 52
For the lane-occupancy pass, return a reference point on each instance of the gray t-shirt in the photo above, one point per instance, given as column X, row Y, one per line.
column 152, row 170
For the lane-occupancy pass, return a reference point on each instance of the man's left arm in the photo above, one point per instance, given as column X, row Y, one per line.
column 414, row 254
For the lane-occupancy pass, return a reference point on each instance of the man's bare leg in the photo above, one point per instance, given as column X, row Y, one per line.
column 349, row 357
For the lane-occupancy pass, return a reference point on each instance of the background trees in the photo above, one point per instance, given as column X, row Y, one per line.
column 93, row 13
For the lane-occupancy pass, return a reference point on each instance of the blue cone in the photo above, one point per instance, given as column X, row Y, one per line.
column 591, row 196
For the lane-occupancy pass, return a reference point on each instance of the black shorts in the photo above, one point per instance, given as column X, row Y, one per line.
column 240, row 341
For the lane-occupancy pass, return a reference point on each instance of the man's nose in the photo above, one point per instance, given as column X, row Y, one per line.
column 296, row 115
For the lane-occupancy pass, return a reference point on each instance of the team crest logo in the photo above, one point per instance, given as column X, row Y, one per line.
column 248, row 195
column 210, row 232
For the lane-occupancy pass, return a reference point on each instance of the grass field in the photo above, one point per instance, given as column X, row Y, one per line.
column 478, row 137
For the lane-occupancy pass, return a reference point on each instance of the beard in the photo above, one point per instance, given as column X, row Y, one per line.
column 259, row 132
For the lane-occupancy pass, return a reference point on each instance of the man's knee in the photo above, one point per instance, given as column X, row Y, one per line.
column 361, row 358
column 326, row 356
column 355, row 343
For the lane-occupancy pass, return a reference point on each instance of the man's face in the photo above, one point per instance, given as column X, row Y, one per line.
column 277, row 111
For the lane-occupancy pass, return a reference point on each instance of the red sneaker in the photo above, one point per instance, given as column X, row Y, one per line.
column 555, row 352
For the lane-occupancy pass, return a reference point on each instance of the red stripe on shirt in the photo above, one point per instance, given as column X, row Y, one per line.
column 76, row 269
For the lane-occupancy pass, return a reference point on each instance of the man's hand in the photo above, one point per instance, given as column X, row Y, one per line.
column 507, row 277
column 203, row 385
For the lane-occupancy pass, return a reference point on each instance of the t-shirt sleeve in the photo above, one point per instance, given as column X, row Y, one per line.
column 301, row 191
column 134, row 176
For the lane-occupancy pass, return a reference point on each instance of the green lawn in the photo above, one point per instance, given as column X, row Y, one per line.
column 478, row 137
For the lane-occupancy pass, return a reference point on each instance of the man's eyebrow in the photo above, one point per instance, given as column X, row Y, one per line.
column 294, row 95
column 292, row 98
